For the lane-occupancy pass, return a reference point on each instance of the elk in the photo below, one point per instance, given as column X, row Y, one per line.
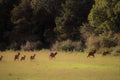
column 32, row 57
column 92, row 53
column 105, row 53
column 1, row 57
column 23, row 58
column 16, row 56
column 52, row 55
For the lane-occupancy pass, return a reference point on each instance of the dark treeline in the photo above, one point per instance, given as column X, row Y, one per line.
column 59, row 24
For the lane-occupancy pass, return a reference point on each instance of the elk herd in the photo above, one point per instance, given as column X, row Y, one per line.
column 92, row 53
column 22, row 58
column 51, row 55
column 16, row 57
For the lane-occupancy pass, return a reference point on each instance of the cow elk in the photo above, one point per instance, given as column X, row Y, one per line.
column 91, row 53
column 52, row 55
column 1, row 57
column 105, row 53
column 32, row 57
column 23, row 58
column 16, row 56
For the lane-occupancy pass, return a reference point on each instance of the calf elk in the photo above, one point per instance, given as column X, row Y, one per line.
column 91, row 53
column 16, row 56
column 1, row 57
column 32, row 57
column 23, row 58
column 105, row 53
column 52, row 55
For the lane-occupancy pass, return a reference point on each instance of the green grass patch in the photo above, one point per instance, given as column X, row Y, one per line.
column 66, row 66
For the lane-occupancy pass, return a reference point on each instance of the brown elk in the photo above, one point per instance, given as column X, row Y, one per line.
column 16, row 56
column 105, row 53
column 23, row 58
column 52, row 55
column 92, row 53
column 32, row 57
column 1, row 57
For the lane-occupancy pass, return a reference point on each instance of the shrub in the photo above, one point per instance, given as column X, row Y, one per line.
column 56, row 46
column 64, row 45
column 14, row 46
column 68, row 45
column 78, row 46
column 86, row 30
column 101, row 50
column 116, row 51
column 117, row 37
column 93, row 42
column 108, row 40
column 31, row 46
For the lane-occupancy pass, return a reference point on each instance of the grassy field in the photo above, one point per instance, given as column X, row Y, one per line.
column 66, row 66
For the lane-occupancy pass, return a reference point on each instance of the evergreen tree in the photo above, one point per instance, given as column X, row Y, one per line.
column 5, row 21
column 74, row 13
column 105, row 16
column 35, row 21
column 21, row 17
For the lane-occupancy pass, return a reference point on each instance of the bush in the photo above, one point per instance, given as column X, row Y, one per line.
column 117, row 37
column 78, row 46
column 98, row 40
column 68, row 45
column 101, row 50
column 116, row 51
column 31, row 46
column 93, row 42
column 86, row 30
column 14, row 46
column 108, row 40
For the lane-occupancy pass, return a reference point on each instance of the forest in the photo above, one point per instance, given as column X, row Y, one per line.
column 68, row 25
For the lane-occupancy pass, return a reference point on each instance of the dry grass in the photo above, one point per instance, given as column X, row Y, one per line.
column 66, row 66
